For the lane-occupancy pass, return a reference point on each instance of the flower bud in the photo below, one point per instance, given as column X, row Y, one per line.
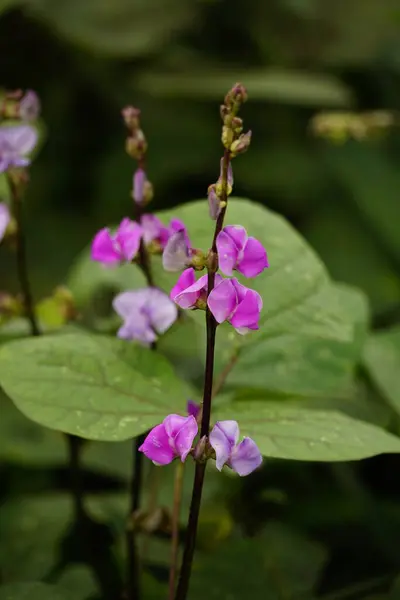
column 29, row 106
column 136, row 145
column 131, row 117
column 237, row 95
column 241, row 145
column 227, row 136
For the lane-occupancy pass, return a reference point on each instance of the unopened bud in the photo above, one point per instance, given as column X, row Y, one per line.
column 131, row 116
column 240, row 145
column 237, row 125
column 136, row 145
column 227, row 136
column 197, row 259
column 213, row 202
column 237, row 95
column 200, row 453
column 29, row 106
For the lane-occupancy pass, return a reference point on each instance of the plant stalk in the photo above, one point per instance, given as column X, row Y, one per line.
column 211, row 325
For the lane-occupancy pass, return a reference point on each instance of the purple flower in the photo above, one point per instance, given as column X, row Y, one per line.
column 172, row 438
column 15, row 143
column 146, row 313
column 112, row 249
column 154, row 230
column 238, row 251
column 189, row 293
column 5, row 218
column 242, row 458
column 176, row 255
column 139, row 180
column 193, row 408
column 233, row 302
column 29, row 106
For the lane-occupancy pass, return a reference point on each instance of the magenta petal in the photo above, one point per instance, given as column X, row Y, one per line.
column 223, row 438
column 128, row 237
column 156, row 446
column 153, row 229
column 254, row 259
column 183, row 435
column 4, row 218
column 227, row 253
column 245, row 457
column 222, row 300
column 238, row 235
column 247, row 314
column 103, row 248
column 188, row 297
column 193, row 408
column 186, row 279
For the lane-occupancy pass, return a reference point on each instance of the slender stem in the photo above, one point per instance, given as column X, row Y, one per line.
column 74, row 448
column 211, row 325
column 179, row 470
column 22, row 266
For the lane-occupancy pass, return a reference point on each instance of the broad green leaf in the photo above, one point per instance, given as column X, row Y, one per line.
column 94, row 387
column 277, row 564
column 285, row 429
column 34, row 591
column 382, row 359
column 277, row 85
column 78, row 582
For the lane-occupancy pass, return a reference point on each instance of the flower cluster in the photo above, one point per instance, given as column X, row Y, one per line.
column 174, row 438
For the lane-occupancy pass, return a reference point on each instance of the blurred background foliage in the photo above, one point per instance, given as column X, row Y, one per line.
column 175, row 59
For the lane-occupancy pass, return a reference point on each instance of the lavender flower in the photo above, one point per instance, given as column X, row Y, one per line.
column 172, row 438
column 29, row 106
column 5, row 218
column 15, row 143
column 112, row 249
column 233, row 302
column 147, row 313
column 176, row 255
column 238, row 251
column 242, row 458
column 139, row 180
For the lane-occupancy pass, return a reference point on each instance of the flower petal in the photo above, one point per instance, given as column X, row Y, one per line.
column 128, row 237
column 188, row 297
column 4, row 218
column 156, row 446
column 154, row 229
column 245, row 457
column 186, row 279
column 247, row 313
column 193, row 408
column 222, row 300
column 139, row 180
column 161, row 310
column 176, row 252
column 254, row 259
column 238, row 235
column 183, row 439
column 227, row 253
column 213, row 202
column 19, row 138
column 223, row 438
column 103, row 248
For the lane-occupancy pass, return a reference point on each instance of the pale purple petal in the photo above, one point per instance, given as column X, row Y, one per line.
column 139, row 180
column 154, row 230
column 5, row 218
column 103, row 248
column 254, row 259
column 193, row 408
column 238, row 235
column 137, row 329
column 157, row 446
column 222, row 300
column 213, row 203
column 29, row 106
column 227, row 253
column 223, row 437
column 183, row 433
column 127, row 302
column 245, row 457
column 230, row 175
column 176, row 252
column 161, row 310
column 186, row 279
column 188, row 297
column 247, row 314
column 20, row 139
column 128, row 237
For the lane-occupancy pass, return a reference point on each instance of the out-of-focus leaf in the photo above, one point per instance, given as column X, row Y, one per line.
column 382, row 359
column 122, row 28
column 278, row 564
column 78, row 582
column 274, row 85
column 91, row 386
column 289, row 430
column 35, row 591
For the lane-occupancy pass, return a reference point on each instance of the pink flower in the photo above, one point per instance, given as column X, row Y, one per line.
column 242, row 458
column 189, row 293
column 16, row 142
column 172, row 438
column 146, row 313
column 154, row 230
column 238, row 251
column 5, row 218
column 139, row 180
column 122, row 246
column 233, row 302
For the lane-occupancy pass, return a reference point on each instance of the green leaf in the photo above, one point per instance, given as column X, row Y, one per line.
column 94, row 387
column 278, row 564
column 34, row 591
column 276, row 85
column 382, row 359
column 286, row 429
